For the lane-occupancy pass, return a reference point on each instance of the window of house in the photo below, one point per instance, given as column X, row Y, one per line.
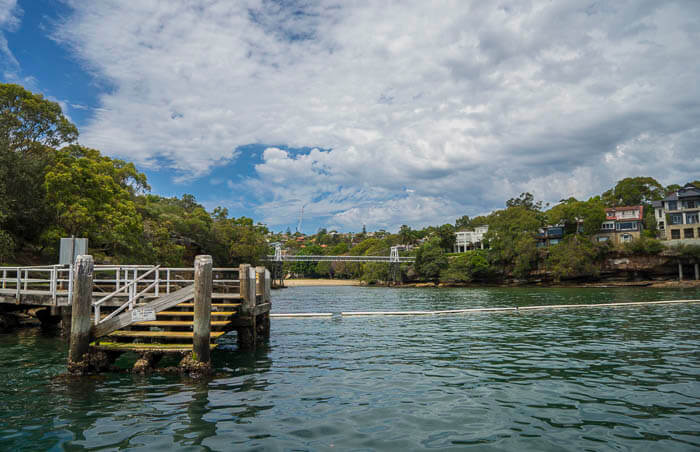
column 661, row 224
column 602, row 239
column 676, row 218
column 672, row 205
column 675, row 234
column 628, row 226
column 691, row 218
column 689, row 204
column 688, row 233
column 553, row 241
column 626, row 238
column 608, row 226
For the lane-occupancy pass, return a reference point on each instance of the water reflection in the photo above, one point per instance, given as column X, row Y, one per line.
column 596, row 379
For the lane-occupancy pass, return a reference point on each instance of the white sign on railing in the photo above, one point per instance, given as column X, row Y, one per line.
column 143, row 315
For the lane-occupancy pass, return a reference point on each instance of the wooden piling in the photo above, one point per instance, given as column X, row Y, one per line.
column 80, row 317
column 260, row 284
column 697, row 272
column 202, row 308
column 268, row 287
column 267, row 298
column 247, row 331
column 247, row 295
column 680, row 271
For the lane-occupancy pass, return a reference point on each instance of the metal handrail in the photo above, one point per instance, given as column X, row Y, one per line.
column 129, row 302
column 135, row 281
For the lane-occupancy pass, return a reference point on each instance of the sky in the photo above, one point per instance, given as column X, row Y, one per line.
column 379, row 113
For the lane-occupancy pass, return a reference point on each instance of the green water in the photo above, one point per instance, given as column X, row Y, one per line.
column 583, row 379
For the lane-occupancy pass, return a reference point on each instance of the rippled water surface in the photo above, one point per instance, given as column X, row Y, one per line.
column 578, row 379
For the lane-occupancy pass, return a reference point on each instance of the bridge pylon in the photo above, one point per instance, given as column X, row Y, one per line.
column 394, row 265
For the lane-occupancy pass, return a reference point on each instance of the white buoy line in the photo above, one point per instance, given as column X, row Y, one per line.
column 477, row 310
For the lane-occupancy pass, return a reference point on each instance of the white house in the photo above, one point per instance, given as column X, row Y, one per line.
column 470, row 240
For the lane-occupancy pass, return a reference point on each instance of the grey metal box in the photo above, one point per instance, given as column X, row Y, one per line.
column 71, row 248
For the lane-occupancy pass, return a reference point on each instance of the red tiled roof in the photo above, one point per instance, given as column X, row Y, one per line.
column 611, row 212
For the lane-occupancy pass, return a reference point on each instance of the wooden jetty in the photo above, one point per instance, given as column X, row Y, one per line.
column 149, row 310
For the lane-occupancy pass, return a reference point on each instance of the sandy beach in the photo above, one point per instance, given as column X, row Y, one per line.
column 320, row 282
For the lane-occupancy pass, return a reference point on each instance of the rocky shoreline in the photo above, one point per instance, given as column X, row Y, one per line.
column 652, row 284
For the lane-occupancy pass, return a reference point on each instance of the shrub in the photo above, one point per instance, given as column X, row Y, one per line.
column 643, row 246
column 7, row 246
column 687, row 251
column 466, row 267
column 575, row 256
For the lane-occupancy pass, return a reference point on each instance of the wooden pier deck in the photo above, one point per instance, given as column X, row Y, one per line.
column 148, row 309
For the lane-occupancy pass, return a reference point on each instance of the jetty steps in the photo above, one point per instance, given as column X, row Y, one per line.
column 150, row 310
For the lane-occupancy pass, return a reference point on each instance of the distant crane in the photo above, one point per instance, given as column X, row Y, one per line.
column 301, row 218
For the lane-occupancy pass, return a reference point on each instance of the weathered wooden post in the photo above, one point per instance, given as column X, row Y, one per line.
column 262, row 318
column 260, row 284
column 80, row 317
column 202, row 308
column 247, row 335
column 267, row 298
column 697, row 271
column 680, row 271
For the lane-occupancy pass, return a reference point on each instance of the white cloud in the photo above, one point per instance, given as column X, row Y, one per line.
column 9, row 20
column 466, row 103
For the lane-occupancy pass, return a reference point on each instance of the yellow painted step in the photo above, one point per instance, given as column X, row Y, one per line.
column 177, row 323
column 191, row 314
column 226, row 296
column 173, row 334
column 146, row 347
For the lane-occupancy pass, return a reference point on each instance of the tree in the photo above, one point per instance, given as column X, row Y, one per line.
column 430, row 259
column 28, row 121
column 446, row 233
column 573, row 257
column 526, row 200
column 247, row 242
column 325, row 269
column 306, row 268
column 462, row 223
column 466, row 267
column 570, row 212
column 406, row 235
column 511, row 238
column 7, row 246
column 633, row 191
column 92, row 196
column 30, row 128
column 671, row 189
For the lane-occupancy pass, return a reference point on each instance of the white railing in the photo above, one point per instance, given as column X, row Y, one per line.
column 133, row 296
column 144, row 280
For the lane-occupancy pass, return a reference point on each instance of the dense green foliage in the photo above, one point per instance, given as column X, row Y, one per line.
column 644, row 246
column 467, row 267
column 431, row 259
column 575, row 256
column 52, row 188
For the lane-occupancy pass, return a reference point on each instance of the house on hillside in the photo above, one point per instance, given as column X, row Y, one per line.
column 549, row 235
column 677, row 215
column 470, row 240
column 622, row 224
